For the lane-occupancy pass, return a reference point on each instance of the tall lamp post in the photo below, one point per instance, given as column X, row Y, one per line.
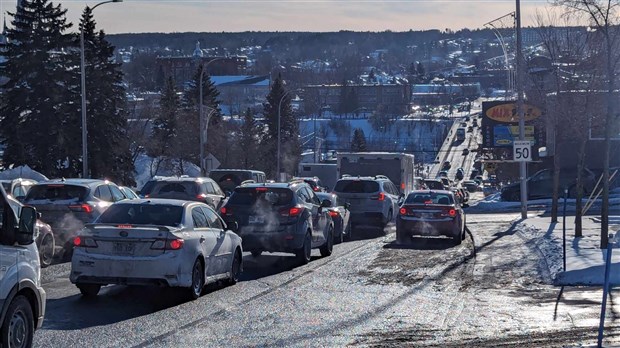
column 204, row 127
column 83, row 76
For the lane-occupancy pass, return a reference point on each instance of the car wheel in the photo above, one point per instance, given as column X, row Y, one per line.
column 256, row 253
column 303, row 254
column 348, row 234
column 328, row 247
column 198, row 280
column 89, row 290
column 458, row 238
column 18, row 326
column 402, row 238
column 389, row 219
column 46, row 250
column 236, row 267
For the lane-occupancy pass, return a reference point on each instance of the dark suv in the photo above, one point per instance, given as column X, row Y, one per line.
column 203, row 190
column 67, row 204
column 280, row 217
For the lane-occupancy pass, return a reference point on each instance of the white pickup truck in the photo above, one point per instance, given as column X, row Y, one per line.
column 22, row 299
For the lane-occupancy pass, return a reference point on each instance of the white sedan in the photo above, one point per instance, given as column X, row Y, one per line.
column 156, row 242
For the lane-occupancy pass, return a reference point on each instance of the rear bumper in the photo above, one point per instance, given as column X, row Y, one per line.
column 286, row 239
column 417, row 227
column 370, row 218
column 166, row 269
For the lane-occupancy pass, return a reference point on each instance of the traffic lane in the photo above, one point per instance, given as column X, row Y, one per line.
column 366, row 290
column 127, row 316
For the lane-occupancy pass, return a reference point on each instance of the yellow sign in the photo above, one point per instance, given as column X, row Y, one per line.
column 507, row 113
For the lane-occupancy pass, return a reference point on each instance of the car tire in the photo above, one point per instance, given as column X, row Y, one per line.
column 458, row 239
column 256, row 253
column 18, row 326
column 327, row 248
column 198, row 281
column 303, row 254
column 348, row 234
column 89, row 290
column 236, row 267
column 402, row 238
column 388, row 219
column 46, row 251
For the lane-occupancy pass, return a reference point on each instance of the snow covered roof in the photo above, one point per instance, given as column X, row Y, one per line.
column 232, row 80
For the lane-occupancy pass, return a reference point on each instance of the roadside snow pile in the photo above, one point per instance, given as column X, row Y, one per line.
column 548, row 245
column 147, row 167
column 24, row 172
column 494, row 203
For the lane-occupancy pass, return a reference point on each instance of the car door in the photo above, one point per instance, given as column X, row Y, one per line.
column 223, row 242
column 319, row 217
column 205, row 238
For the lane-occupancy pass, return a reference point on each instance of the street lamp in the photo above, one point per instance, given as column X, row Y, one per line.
column 204, row 127
column 83, row 75
column 279, row 126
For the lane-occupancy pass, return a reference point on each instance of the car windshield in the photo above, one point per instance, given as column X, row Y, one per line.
column 148, row 187
column 429, row 198
column 251, row 195
column 356, row 186
column 56, row 193
column 142, row 214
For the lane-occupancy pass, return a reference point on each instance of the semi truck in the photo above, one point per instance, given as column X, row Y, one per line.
column 398, row 167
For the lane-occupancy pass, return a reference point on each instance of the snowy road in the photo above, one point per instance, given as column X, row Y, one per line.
column 489, row 291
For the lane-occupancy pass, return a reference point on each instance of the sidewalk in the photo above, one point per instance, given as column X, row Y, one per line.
column 585, row 262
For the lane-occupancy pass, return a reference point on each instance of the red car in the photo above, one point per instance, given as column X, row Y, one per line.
column 431, row 213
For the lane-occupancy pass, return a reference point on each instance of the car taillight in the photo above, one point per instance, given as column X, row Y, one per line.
column 163, row 244
column 316, row 189
column 333, row 213
column 379, row 197
column 226, row 211
column 84, row 242
column 291, row 212
column 403, row 211
column 201, row 196
column 452, row 212
column 86, row 208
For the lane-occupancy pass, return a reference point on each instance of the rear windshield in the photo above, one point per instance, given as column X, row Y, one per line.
column 356, row 186
column 163, row 188
column 235, row 176
column 251, row 195
column 56, row 193
column 429, row 198
column 142, row 214
column 148, row 187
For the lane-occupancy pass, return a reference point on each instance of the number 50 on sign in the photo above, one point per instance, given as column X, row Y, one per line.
column 522, row 151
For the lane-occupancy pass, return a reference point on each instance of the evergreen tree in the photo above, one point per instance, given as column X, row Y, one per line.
column 358, row 144
column 289, row 136
column 108, row 143
column 248, row 141
column 165, row 123
column 343, row 101
column 40, row 123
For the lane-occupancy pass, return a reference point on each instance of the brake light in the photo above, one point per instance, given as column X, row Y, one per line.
column 402, row 186
column 333, row 213
column 225, row 211
column 316, row 189
column 452, row 212
column 124, row 226
column 261, row 189
column 201, row 196
column 380, row 197
column 294, row 211
column 176, row 244
column 84, row 242
column 403, row 211
column 86, row 208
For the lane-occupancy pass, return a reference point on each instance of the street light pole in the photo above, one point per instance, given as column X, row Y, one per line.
column 83, row 81
column 520, row 108
column 204, row 127
column 279, row 136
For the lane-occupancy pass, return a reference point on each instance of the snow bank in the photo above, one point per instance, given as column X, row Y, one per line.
column 494, row 203
column 24, row 172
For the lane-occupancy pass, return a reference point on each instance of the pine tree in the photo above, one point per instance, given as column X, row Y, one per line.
column 108, row 143
column 248, row 141
column 289, row 136
column 358, row 144
column 165, row 123
column 40, row 123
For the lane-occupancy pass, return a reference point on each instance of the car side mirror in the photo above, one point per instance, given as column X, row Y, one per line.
column 233, row 226
column 326, row 203
column 27, row 222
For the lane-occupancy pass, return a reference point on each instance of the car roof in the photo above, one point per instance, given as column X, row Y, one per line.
column 183, row 179
column 372, row 178
column 157, row 201
column 235, row 170
column 274, row 184
column 75, row 181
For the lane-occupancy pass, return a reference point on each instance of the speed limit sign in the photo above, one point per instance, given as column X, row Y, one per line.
column 522, row 151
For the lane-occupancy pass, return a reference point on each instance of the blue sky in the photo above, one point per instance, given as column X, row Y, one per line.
column 294, row 15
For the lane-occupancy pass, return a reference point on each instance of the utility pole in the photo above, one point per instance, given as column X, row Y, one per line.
column 520, row 108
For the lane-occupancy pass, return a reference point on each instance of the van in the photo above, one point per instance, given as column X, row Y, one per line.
column 228, row 179
column 22, row 299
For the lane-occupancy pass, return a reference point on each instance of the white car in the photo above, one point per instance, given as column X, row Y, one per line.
column 159, row 242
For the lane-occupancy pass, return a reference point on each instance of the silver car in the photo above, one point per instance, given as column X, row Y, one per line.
column 156, row 242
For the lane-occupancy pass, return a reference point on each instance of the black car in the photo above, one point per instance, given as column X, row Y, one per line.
column 280, row 217
column 203, row 190
column 540, row 185
column 434, row 184
column 460, row 174
column 340, row 214
column 446, row 165
column 228, row 179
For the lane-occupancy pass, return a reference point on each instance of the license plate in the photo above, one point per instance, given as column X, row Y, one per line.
column 256, row 219
column 124, row 248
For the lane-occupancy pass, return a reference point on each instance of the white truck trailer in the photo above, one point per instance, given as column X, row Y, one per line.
column 398, row 167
